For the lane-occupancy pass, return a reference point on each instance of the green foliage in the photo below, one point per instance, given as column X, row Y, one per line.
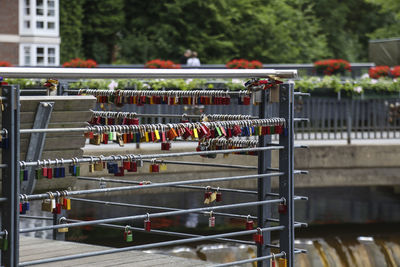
column 103, row 22
column 220, row 30
column 71, row 15
column 350, row 86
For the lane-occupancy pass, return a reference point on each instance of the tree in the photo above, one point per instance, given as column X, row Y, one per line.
column 391, row 10
column 219, row 30
column 103, row 21
column 71, row 15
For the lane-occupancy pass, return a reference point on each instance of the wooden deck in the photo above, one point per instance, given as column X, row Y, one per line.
column 35, row 249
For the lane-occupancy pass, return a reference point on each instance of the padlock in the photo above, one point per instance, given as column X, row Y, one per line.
column 25, row 206
column 154, row 168
column 165, row 146
column 246, row 100
column 98, row 166
column 120, row 171
column 147, row 223
column 5, row 241
column 218, row 197
column 63, row 230
column 38, row 174
column 273, row 262
column 128, row 236
column 91, row 167
column 46, row 205
column 20, row 207
column 126, row 165
column 49, row 173
column 44, row 172
column 133, row 167
column 211, row 220
column 258, row 238
column 163, row 167
column 207, row 195
column 282, row 262
column 66, row 204
column 282, row 207
column 57, row 209
column 249, row 223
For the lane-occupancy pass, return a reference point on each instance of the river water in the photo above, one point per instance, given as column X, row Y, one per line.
column 347, row 226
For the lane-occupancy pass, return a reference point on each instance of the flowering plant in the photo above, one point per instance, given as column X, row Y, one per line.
column 395, row 71
column 243, row 64
column 162, row 64
column 5, row 64
column 80, row 63
column 378, row 72
column 332, row 66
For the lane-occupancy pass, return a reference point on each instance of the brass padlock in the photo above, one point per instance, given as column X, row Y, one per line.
column 46, row 205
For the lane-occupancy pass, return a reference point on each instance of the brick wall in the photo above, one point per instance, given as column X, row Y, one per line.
column 9, row 52
column 9, row 17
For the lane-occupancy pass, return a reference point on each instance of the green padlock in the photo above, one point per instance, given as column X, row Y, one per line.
column 38, row 173
column 272, row 129
column 128, row 236
column 21, row 175
column 5, row 241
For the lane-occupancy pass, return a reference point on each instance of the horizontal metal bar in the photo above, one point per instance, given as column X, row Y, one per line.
column 148, row 246
column 111, row 203
column 300, row 172
column 148, row 156
column 301, row 146
column 3, row 166
column 301, row 119
column 115, row 114
column 145, row 186
column 145, row 216
column 167, row 126
column 301, row 94
column 3, row 199
column 297, row 224
column 166, row 233
column 233, row 263
column 91, row 73
column 178, row 186
column 204, row 164
column 36, row 217
column 278, row 255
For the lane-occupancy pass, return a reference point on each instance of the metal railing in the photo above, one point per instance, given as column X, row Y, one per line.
column 263, row 201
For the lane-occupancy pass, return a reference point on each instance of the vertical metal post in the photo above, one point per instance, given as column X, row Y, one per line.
column 286, row 161
column 56, row 220
column 10, row 181
column 264, row 184
column 349, row 109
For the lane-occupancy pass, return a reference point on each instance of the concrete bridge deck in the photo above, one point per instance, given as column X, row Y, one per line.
column 32, row 249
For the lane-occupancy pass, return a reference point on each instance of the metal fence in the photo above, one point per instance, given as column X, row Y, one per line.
column 329, row 118
column 53, row 202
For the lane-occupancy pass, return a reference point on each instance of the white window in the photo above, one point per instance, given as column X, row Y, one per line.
column 39, row 17
column 39, row 55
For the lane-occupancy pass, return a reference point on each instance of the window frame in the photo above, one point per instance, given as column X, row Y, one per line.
column 33, row 54
column 35, row 19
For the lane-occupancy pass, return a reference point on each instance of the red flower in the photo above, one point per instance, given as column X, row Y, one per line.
column 80, row 63
column 243, row 64
column 161, row 64
column 395, row 71
column 332, row 66
column 5, row 64
column 379, row 71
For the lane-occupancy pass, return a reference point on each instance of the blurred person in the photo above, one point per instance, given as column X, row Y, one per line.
column 185, row 57
column 193, row 61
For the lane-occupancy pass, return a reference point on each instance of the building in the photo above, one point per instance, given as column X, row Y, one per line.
column 30, row 32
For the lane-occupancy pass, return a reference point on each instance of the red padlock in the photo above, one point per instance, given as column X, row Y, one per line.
column 133, row 167
column 246, row 100
column 127, row 165
column 207, row 193
column 147, row 223
column 165, row 146
column 49, row 173
column 211, row 220
column 218, row 197
column 282, row 208
column 258, row 238
column 57, row 209
column 249, row 223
